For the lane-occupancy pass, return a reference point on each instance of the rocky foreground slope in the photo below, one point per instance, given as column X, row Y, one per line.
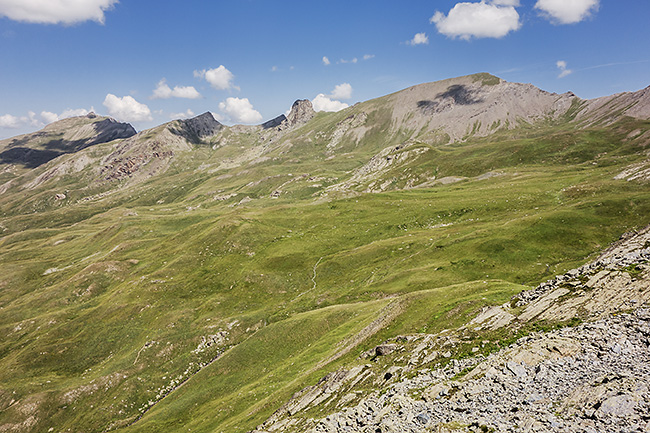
column 593, row 377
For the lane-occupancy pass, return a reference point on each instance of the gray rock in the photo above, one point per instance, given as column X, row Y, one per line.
column 619, row 405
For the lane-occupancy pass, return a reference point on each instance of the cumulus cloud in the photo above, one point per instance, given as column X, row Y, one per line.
column 353, row 60
column 326, row 61
column 55, row 11
column 562, row 66
column 240, row 110
column 341, row 91
column 127, row 109
column 567, row 11
column 9, row 121
column 368, row 56
column 186, row 115
column 493, row 19
column 220, row 78
column 33, row 120
column 163, row 91
column 49, row 117
column 419, row 39
column 323, row 103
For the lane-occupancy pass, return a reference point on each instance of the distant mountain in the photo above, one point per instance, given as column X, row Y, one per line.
column 61, row 137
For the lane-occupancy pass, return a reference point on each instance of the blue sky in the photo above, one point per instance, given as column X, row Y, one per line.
column 248, row 60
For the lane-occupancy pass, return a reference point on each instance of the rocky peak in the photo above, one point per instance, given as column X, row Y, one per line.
column 199, row 127
column 301, row 112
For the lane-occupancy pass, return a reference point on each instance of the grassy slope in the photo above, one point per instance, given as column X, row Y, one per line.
column 105, row 300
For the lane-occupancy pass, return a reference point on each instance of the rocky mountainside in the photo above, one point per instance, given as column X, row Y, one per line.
column 388, row 267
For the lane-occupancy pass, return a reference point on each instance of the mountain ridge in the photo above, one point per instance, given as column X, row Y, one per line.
column 197, row 276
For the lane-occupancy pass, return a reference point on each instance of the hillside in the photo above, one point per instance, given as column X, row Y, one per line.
column 197, row 276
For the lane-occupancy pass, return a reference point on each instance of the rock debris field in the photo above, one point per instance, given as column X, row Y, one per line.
column 591, row 378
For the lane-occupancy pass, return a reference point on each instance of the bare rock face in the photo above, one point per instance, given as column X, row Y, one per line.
column 198, row 128
column 302, row 111
column 274, row 122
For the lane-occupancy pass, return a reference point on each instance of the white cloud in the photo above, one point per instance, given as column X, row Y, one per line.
column 493, row 19
column 341, row 91
column 163, row 91
column 49, row 117
column 220, row 78
column 368, row 56
column 9, row 121
column 562, row 66
column 186, row 115
column 324, row 103
column 326, row 61
column 240, row 110
column 331, row 102
column 419, row 39
column 567, row 11
column 127, row 109
column 274, row 69
column 31, row 116
column 55, row 11
column 353, row 60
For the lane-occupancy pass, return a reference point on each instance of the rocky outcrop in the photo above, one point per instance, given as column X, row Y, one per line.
column 590, row 378
column 302, row 111
column 197, row 128
column 375, row 175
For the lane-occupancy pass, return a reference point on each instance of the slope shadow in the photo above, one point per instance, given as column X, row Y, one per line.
column 459, row 93
column 28, row 158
